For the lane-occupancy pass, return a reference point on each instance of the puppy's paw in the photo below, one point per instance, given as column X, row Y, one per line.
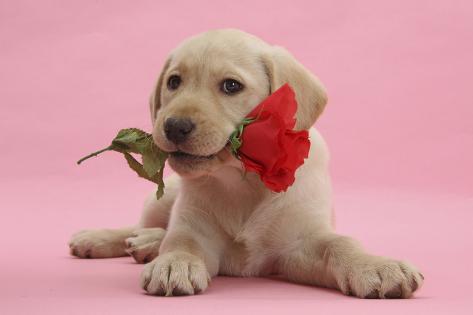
column 144, row 244
column 374, row 277
column 98, row 244
column 175, row 273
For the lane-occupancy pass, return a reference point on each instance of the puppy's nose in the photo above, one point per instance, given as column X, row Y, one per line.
column 177, row 130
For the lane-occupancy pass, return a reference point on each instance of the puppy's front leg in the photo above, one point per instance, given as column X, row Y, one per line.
column 188, row 257
column 337, row 261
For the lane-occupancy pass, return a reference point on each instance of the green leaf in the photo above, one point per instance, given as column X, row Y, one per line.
column 136, row 166
column 235, row 137
column 151, row 164
column 132, row 140
column 136, row 141
column 159, row 177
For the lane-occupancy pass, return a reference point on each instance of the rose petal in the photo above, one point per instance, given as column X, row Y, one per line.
column 269, row 145
column 279, row 181
column 281, row 103
column 259, row 139
column 298, row 144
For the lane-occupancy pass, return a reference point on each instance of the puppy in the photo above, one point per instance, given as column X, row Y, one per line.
column 213, row 220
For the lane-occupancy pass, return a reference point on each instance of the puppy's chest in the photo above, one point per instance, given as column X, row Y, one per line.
column 233, row 217
column 235, row 203
column 233, row 200
column 239, row 257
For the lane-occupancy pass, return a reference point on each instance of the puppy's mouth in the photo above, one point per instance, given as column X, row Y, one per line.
column 187, row 157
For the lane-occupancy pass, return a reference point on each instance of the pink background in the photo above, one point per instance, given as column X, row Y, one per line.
column 399, row 124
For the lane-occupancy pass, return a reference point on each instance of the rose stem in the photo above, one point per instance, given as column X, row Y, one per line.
column 93, row 154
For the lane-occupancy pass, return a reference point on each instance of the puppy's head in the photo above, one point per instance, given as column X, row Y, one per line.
column 210, row 83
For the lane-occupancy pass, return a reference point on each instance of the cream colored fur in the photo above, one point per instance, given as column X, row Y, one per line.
column 213, row 220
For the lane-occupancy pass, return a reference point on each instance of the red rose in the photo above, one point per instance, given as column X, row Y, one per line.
column 269, row 145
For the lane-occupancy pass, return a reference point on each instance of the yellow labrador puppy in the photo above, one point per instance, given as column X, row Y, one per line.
column 213, row 220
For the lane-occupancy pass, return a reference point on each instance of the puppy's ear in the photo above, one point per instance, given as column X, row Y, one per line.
column 155, row 98
column 311, row 97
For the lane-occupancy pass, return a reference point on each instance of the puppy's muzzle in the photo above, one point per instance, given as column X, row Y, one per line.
column 177, row 130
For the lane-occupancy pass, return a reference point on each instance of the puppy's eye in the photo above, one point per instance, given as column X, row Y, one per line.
column 230, row 86
column 173, row 82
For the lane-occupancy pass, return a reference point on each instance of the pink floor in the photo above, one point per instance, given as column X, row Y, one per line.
column 398, row 123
